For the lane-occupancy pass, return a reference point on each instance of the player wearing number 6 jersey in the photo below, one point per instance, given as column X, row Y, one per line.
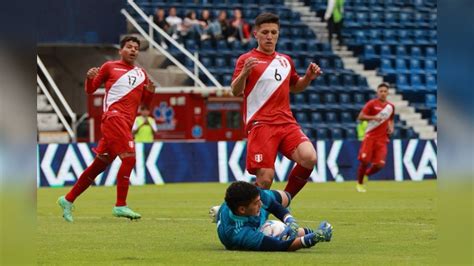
column 380, row 114
column 126, row 86
column 265, row 78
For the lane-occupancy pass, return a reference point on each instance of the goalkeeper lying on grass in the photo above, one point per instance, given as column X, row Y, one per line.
column 245, row 210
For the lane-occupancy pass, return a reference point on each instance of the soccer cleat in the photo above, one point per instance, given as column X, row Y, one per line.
column 213, row 213
column 324, row 232
column 124, row 211
column 360, row 188
column 67, row 207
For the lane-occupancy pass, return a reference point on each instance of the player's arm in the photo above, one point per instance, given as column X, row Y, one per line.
column 364, row 117
column 95, row 77
column 391, row 123
column 313, row 71
column 242, row 71
column 148, row 93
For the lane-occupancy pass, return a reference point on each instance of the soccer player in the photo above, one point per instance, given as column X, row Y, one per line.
column 265, row 78
column 379, row 113
column 126, row 86
column 245, row 210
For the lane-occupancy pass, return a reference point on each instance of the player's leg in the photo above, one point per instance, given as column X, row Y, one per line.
column 364, row 157
column 121, row 143
column 87, row 177
column 282, row 197
column 262, row 148
column 298, row 148
column 378, row 161
column 123, row 183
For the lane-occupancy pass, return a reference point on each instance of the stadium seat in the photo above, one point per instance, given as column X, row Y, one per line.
column 389, row 37
column 396, row 133
column 302, row 119
column 386, row 67
column 402, row 82
column 331, row 118
column 416, row 82
column 336, row 133
column 314, row 101
column 350, row 133
column 416, row 52
column 401, row 51
column 430, row 100
column 431, row 84
column 321, row 133
column 410, row 134
column 415, row 67
column 400, row 66
column 385, row 51
column 430, row 53
column 430, row 67
column 299, row 102
column 317, row 120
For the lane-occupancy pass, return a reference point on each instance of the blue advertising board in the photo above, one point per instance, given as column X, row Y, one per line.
column 171, row 162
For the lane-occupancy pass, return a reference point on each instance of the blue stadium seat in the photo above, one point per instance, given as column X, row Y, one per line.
column 400, row 66
column 402, row 82
column 302, row 119
column 338, row 64
column 317, row 120
column 430, row 100
column 420, row 37
column 309, row 133
column 222, row 46
column 416, row 52
column 191, row 45
column 346, row 117
column 375, row 36
column 314, row 101
column 389, row 37
column 401, row 51
column 206, row 61
column 360, row 37
column 322, row 133
column 390, row 19
column 415, row 67
column 386, row 67
column 430, row 53
column 362, row 19
column 416, row 82
column 385, row 51
column 430, row 67
column 434, row 118
column 336, row 133
column 227, row 80
column 404, row 37
column 220, row 62
column 331, row 118
column 431, row 84
column 299, row 102
column 350, row 133
column 375, row 19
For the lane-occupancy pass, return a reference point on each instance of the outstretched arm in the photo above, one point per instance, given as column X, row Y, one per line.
column 313, row 71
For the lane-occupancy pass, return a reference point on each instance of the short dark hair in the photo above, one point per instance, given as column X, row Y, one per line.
column 267, row 18
column 129, row 39
column 240, row 193
column 383, row 84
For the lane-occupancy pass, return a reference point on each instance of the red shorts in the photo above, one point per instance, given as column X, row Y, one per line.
column 116, row 137
column 373, row 150
column 265, row 141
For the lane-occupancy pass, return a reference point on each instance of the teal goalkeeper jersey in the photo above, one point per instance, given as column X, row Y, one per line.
column 242, row 232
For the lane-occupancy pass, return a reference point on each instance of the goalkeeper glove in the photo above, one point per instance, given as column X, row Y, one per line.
column 291, row 223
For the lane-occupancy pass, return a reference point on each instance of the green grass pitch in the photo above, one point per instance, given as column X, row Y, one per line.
column 393, row 223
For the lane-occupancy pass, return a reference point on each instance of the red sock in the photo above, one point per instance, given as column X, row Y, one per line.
column 86, row 179
column 373, row 169
column 123, row 180
column 361, row 172
column 297, row 179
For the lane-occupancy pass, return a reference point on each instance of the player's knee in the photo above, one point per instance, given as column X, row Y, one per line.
column 129, row 161
column 380, row 165
column 309, row 160
column 264, row 182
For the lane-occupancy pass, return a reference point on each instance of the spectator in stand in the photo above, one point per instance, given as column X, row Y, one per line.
column 175, row 23
column 240, row 29
column 208, row 27
column 161, row 22
column 191, row 27
column 221, row 26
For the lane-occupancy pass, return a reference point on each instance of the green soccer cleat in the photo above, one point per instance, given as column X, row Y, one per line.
column 124, row 211
column 360, row 188
column 67, row 207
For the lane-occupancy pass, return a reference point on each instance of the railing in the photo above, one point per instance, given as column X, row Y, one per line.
column 150, row 22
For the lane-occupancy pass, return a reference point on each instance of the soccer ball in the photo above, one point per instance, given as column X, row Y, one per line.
column 273, row 228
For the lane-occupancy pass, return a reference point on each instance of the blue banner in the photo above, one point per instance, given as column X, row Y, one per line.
column 171, row 162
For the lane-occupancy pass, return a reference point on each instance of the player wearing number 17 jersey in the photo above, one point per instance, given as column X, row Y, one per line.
column 265, row 78
column 126, row 86
column 380, row 114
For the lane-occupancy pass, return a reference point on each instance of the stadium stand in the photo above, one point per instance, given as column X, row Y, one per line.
column 329, row 107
